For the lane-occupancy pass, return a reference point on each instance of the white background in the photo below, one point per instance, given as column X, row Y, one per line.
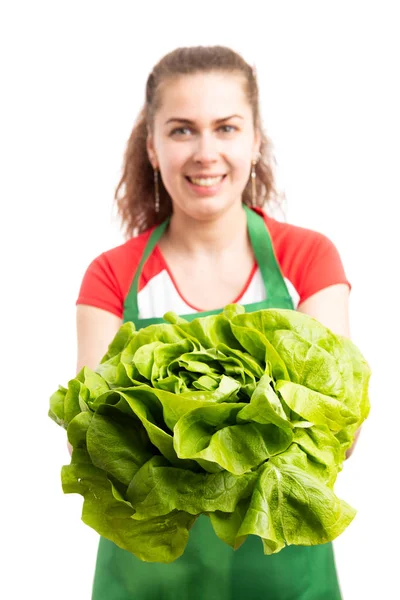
column 73, row 77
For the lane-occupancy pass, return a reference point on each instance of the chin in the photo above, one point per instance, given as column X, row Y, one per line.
column 207, row 208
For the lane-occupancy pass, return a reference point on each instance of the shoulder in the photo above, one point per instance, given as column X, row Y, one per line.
column 130, row 251
column 289, row 238
column 120, row 263
column 308, row 259
column 107, row 279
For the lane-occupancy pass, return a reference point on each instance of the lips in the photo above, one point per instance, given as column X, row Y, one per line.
column 206, row 180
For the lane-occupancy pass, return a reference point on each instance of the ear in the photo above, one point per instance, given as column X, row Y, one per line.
column 151, row 153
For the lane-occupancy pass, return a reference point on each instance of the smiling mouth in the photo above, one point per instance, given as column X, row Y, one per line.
column 206, row 181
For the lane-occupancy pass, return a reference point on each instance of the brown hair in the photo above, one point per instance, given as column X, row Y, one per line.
column 135, row 192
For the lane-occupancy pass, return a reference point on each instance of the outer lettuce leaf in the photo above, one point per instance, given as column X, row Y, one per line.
column 322, row 452
column 288, row 506
column 57, row 402
column 123, row 336
column 311, row 514
column 315, row 357
column 84, row 389
column 147, row 408
column 361, row 376
column 77, row 429
column 114, row 372
column 312, row 354
column 158, row 488
column 117, row 444
column 272, row 320
column 315, row 407
column 227, row 524
column 162, row 539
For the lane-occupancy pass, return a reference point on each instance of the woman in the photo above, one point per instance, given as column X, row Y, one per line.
column 197, row 159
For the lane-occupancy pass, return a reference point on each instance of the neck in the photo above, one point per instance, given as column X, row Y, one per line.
column 210, row 236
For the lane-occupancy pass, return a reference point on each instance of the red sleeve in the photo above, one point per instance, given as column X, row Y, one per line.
column 322, row 268
column 108, row 278
column 308, row 259
column 101, row 288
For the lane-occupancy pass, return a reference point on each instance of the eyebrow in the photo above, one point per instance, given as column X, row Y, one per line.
column 189, row 122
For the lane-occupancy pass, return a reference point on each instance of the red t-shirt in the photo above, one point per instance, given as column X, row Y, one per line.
column 308, row 260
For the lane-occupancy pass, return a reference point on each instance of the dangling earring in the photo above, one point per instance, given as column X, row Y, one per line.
column 156, row 192
column 253, row 183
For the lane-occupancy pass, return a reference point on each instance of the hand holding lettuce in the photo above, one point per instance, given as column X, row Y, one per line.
column 245, row 418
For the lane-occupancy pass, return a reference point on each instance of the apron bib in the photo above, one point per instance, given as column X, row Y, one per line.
column 209, row 569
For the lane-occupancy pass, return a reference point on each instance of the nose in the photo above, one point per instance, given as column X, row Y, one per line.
column 206, row 150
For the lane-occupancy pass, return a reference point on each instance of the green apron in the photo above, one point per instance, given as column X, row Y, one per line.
column 209, row 569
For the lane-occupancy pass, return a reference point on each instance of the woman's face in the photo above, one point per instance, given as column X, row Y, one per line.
column 203, row 142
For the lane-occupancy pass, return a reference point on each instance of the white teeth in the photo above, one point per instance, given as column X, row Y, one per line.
column 206, row 181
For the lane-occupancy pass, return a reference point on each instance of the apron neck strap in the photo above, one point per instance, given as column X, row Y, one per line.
column 131, row 309
column 265, row 256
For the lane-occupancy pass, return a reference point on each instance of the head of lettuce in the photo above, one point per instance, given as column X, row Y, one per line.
column 245, row 418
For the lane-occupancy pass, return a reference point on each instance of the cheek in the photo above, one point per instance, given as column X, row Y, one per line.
column 172, row 159
column 241, row 163
column 239, row 154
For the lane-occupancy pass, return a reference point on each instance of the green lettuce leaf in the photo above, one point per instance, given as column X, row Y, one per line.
column 288, row 506
column 161, row 539
column 117, row 444
column 211, row 433
column 158, row 488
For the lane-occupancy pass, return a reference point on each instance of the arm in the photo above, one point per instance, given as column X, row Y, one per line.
column 330, row 307
column 95, row 330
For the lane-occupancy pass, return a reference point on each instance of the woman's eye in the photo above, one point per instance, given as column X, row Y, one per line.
column 227, row 128
column 181, row 131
